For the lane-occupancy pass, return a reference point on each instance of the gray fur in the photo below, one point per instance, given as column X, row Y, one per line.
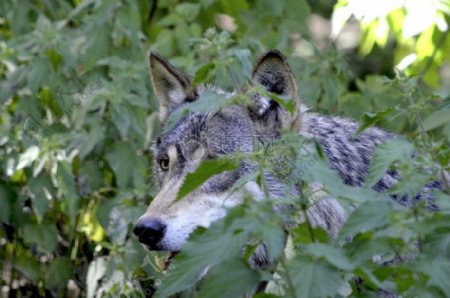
column 202, row 136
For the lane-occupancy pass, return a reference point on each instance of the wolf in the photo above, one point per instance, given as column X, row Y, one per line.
column 198, row 136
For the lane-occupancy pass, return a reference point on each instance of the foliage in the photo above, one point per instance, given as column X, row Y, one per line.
column 78, row 116
column 419, row 27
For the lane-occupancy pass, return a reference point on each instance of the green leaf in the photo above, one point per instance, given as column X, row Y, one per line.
column 188, row 10
column 274, row 239
column 204, row 248
column 59, row 272
column 68, row 188
column 313, row 279
column 28, row 266
column 39, row 187
column 44, row 235
column 298, row 10
column 235, row 273
column 203, row 73
column 39, row 74
column 330, row 85
column 118, row 226
column 5, row 204
column 288, row 105
column 122, row 158
column 333, row 255
column 207, row 102
column 436, row 119
column 370, row 119
column 385, row 154
column 369, row 215
column 438, row 270
column 122, row 119
column 206, row 170
column 244, row 57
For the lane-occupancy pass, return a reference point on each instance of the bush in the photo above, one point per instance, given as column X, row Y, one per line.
column 78, row 116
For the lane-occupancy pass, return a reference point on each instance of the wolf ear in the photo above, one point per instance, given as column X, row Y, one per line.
column 172, row 87
column 272, row 71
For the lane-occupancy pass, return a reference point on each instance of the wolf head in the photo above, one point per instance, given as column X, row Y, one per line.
column 180, row 149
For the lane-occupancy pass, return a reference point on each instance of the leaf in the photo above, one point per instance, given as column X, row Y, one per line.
column 330, row 85
column 203, row 73
column 39, row 187
column 203, row 249
column 385, row 154
column 206, row 170
column 244, row 57
column 370, row 119
column 208, row 101
column 121, row 158
column 438, row 270
column 369, row 215
column 298, row 10
column 288, row 105
column 6, row 202
column 436, row 119
column 274, row 239
column 118, row 226
column 333, row 255
column 235, row 273
column 122, row 119
column 313, row 279
column 90, row 139
column 28, row 266
column 44, row 235
column 188, row 10
column 47, row 100
column 68, row 188
column 41, row 71
column 27, row 158
column 59, row 272
column 95, row 273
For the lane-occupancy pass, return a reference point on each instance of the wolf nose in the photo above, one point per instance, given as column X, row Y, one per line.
column 150, row 231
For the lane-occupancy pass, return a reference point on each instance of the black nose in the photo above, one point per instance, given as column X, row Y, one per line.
column 150, row 231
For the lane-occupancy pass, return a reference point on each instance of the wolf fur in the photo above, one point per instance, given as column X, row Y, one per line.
column 179, row 150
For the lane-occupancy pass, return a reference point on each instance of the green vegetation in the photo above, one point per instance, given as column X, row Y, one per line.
column 78, row 115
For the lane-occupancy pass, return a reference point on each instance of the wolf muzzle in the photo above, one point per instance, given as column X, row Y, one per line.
column 150, row 231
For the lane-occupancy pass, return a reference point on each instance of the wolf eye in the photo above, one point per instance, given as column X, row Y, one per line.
column 164, row 163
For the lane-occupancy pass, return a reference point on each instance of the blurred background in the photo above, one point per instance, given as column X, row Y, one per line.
column 78, row 114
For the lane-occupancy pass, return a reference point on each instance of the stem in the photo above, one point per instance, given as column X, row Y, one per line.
column 304, row 209
column 427, row 66
column 12, row 271
column 290, row 284
column 419, row 237
column 425, row 136
column 263, row 182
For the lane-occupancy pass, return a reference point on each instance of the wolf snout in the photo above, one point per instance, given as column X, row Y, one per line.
column 150, row 231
